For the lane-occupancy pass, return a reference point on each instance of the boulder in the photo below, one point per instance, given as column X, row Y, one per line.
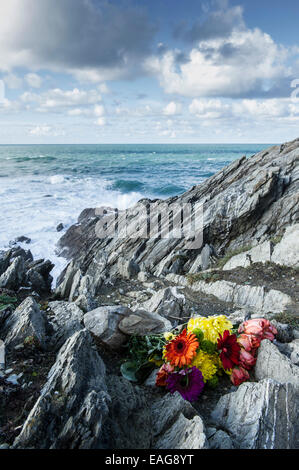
column 27, row 321
column 103, row 322
column 142, row 322
column 73, row 404
column 286, row 251
column 274, row 365
column 260, row 415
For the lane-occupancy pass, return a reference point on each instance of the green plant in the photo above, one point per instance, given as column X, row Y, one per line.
column 7, row 301
column 206, row 277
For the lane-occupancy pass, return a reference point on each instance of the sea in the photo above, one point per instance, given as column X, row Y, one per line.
column 42, row 186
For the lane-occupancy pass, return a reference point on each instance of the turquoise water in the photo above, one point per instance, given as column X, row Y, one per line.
column 43, row 185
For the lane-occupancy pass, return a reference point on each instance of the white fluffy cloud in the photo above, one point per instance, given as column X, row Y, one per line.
column 246, row 62
column 46, row 131
column 57, row 100
column 172, row 108
column 33, row 80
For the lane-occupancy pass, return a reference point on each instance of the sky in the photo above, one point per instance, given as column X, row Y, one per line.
column 149, row 71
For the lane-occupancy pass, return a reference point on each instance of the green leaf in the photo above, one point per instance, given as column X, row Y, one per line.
column 128, row 371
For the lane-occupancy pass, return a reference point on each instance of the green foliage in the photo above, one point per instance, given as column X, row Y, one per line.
column 142, row 351
column 199, row 334
column 206, row 277
column 213, row 382
column 208, row 347
column 7, row 301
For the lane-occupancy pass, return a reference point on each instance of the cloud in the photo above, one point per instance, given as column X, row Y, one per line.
column 217, row 24
column 91, row 38
column 57, row 100
column 172, row 108
column 33, row 80
column 248, row 62
column 12, row 81
column 209, row 109
column 46, row 131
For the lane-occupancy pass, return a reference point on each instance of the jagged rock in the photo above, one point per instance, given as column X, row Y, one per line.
column 38, row 276
column 59, row 227
column 103, row 322
column 127, row 268
column 260, row 415
column 176, row 424
column 249, row 202
column 14, row 276
column 284, row 331
column 73, row 404
column 169, row 303
column 220, row 440
column 67, row 319
column 26, row 321
column 274, row 365
column 291, row 350
column 184, row 434
column 142, row 322
column 129, row 423
column 286, row 251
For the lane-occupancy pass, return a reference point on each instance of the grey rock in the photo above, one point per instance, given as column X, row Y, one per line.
column 103, row 322
column 14, row 276
column 129, row 424
column 184, row 434
column 142, row 322
column 66, row 320
column 2, row 355
column 59, row 227
column 151, row 380
column 284, row 331
column 73, row 404
column 274, row 365
column 220, row 440
column 260, row 415
column 248, row 202
column 128, row 268
column 26, row 321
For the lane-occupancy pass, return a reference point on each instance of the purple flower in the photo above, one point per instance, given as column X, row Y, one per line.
column 188, row 382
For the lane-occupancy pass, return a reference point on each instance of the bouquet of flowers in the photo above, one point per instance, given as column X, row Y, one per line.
column 207, row 348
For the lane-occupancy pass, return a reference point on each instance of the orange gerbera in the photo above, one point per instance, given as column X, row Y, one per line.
column 182, row 349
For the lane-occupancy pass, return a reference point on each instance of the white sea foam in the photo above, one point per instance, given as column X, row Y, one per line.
column 34, row 208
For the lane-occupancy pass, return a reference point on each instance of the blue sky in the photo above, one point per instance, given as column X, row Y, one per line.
column 149, row 71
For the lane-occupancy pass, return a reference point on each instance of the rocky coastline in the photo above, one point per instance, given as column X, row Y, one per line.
column 61, row 348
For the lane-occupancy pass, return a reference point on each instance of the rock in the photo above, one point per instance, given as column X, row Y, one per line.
column 67, row 319
column 274, row 365
column 38, row 276
column 284, row 331
column 59, row 227
column 258, row 254
column 169, row 302
column 103, row 322
column 249, row 202
column 286, row 251
column 2, row 355
column 73, row 404
column 26, row 321
column 128, row 268
column 151, row 380
column 255, row 298
column 23, row 239
column 14, row 276
column 260, row 415
column 142, row 322
column 220, row 440
column 128, row 425
column 184, row 434
column 142, row 276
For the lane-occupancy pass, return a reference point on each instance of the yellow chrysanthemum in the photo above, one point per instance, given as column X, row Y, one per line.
column 210, row 326
column 203, row 361
column 169, row 336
